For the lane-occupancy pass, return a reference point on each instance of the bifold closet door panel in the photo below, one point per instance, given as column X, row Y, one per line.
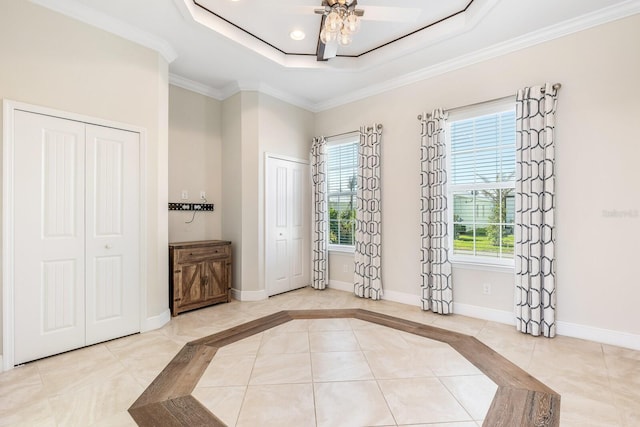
column 287, row 225
column 112, row 233
column 49, row 235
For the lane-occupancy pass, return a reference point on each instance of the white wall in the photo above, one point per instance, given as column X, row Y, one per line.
column 597, row 152
column 195, row 163
column 50, row 60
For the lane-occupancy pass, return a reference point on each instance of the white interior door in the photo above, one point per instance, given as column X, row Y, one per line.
column 287, row 225
column 112, row 261
column 76, row 228
column 49, row 236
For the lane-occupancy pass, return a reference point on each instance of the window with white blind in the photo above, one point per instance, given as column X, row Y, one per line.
column 342, row 172
column 482, row 167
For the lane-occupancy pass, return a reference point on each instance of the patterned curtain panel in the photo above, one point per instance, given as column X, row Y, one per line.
column 368, row 275
column 437, row 285
column 535, row 263
column 320, row 272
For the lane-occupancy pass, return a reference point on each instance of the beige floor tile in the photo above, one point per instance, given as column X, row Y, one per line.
column 474, row 392
column 292, row 342
column 559, row 362
column 461, row 424
column 421, row 400
column 446, row 362
column 340, row 366
column 396, row 364
column 623, row 368
column 419, row 342
column 380, row 339
column 263, row 405
column 329, row 325
column 297, row 325
column 32, row 413
column 281, row 369
column 228, row 371
column 122, row 419
column 610, row 350
column 96, row 402
column 244, row 347
column 144, row 355
column 20, row 386
column 325, row 341
column 351, row 404
column 579, row 410
column 224, row 402
column 78, row 369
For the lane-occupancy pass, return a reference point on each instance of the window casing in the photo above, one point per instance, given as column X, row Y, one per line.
column 481, row 185
column 342, row 173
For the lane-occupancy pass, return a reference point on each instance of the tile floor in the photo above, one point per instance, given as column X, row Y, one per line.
column 599, row 384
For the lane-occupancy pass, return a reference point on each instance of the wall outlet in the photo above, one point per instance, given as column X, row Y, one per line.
column 184, row 194
column 345, row 268
column 486, row 288
column 203, row 195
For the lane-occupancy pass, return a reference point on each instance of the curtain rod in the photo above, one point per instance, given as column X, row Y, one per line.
column 556, row 86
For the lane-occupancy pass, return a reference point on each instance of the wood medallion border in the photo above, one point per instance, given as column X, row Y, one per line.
column 521, row 400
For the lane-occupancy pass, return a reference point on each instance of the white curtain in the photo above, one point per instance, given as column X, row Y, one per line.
column 535, row 263
column 437, row 284
column 320, row 270
column 368, row 274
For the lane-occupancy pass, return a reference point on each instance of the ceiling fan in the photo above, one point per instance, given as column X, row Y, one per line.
column 340, row 20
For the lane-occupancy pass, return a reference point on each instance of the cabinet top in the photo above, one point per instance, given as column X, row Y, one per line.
column 199, row 243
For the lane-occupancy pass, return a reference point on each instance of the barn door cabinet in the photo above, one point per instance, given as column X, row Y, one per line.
column 200, row 274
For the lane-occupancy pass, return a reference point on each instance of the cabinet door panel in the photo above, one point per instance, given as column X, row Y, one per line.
column 190, row 289
column 215, row 278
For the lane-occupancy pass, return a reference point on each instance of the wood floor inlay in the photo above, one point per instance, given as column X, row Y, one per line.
column 521, row 400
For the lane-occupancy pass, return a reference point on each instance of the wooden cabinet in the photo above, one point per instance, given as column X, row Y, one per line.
column 199, row 274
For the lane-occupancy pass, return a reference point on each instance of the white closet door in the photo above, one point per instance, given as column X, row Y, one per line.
column 112, row 230
column 49, row 236
column 287, row 219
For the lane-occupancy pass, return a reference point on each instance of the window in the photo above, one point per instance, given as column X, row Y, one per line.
column 342, row 172
column 482, row 165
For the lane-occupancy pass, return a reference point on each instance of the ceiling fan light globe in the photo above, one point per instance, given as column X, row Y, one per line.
column 327, row 36
column 344, row 39
column 333, row 22
column 352, row 23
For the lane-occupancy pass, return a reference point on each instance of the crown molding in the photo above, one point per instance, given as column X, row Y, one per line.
column 581, row 23
column 195, row 86
column 251, row 86
column 82, row 13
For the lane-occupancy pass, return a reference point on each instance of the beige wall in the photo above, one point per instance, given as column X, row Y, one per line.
column 284, row 130
column 253, row 125
column 195, row 163
column 50, row 60
column 597, row 149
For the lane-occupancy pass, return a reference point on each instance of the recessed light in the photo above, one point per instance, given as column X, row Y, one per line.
column 297, row 34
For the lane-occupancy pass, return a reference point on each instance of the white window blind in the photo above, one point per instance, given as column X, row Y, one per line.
column 342, row 172
column 482, row 183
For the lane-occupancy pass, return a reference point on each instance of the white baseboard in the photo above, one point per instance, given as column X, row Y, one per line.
column 484, row 313
column 156, row 322
column 249, row 295
column 567, row 329
column 605, row 336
